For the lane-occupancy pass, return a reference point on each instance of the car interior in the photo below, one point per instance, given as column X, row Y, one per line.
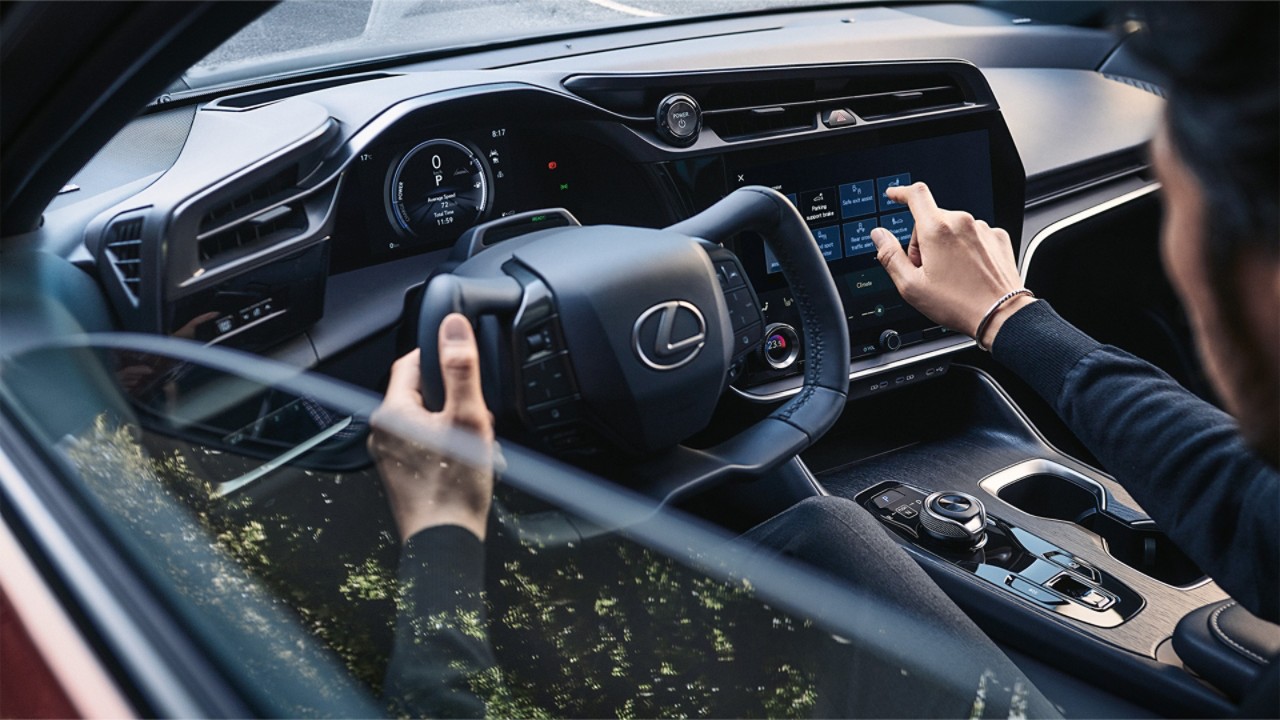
column 661, row 233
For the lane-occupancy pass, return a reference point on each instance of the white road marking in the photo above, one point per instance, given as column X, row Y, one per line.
column 638, row 12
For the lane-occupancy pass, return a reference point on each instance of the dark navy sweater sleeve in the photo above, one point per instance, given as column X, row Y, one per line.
column 441, row 639
column 1181, row 458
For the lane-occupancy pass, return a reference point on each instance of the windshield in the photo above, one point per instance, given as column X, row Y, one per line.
column 300, row 35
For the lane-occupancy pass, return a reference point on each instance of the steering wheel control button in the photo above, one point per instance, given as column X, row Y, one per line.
column 679, row 119
column 570, row 437
column 545, row 416
column 729, row 275
column 744, row 340
column 547, row 380
column 781, row 346
column 742, row 308
column 669, row 334
column 537, row 342
column 890, row 340
column 956, row 518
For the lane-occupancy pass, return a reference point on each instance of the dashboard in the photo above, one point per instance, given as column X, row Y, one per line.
column 399, row 193
column 300, row 221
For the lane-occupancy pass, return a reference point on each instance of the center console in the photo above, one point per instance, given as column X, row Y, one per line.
column 1009, row 558
column 1051, row 557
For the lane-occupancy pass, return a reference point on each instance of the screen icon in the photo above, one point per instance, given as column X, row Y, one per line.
column 884, row 183
column 857, row 199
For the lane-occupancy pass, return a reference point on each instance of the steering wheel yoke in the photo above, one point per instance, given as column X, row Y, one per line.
column 621, row 337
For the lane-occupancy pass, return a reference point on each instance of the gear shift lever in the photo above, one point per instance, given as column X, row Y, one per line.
column 955, row 518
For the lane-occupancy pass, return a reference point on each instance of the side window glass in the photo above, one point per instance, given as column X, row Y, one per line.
column 246, row 494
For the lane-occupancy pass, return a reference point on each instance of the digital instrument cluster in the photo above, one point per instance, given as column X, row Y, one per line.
column 419, row 189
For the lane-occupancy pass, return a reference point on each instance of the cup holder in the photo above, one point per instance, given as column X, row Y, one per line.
column 1141, row 547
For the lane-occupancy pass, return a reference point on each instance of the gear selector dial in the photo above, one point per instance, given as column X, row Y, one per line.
column 955, row 517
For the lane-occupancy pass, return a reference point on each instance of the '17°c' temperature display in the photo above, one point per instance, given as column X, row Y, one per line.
column 438, row 190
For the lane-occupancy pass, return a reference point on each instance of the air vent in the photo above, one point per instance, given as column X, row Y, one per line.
column 270, row 226
column 739, row 104
column 258, row 198
column 124, row 250
column 258, row 98
column 759, row 122
column 909, row 101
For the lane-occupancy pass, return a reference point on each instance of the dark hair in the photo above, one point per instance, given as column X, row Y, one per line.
column 1221, row 68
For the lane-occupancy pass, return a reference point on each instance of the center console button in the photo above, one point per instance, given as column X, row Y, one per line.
column 1035, row 592
column 1072, row 563
column 887, row 498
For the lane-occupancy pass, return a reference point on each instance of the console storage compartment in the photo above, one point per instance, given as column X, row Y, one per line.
column 1137, row 544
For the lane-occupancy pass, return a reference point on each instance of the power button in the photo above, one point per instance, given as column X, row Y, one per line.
column 679, row 119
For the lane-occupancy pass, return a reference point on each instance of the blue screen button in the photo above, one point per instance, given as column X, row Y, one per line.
column 828, row 242
column 885, row 183
column 857, row 199
column 900, row 224
column 857, row 237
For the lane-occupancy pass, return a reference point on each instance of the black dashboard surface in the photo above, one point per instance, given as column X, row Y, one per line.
column 554, row 126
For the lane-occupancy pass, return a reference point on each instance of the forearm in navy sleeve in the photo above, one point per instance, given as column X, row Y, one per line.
column 1182, row 459
column 441, row 638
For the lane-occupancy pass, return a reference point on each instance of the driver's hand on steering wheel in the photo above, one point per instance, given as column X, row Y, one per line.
column 426, row 487
column 954, row 268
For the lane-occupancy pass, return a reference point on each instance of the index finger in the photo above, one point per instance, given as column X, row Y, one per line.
column 405, row 376
column 917, row 197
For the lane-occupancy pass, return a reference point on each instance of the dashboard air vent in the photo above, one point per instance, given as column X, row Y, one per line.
column 270, row 226
column 124, row 250
column 268, row 212
column 258, row 98
column 758, row 122
column 745, row 103
column 876, row 106
column 252, row 201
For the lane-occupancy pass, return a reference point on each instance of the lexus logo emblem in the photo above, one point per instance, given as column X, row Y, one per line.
column 669, row 334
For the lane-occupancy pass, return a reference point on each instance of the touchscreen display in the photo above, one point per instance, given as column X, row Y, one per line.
column 842, row 197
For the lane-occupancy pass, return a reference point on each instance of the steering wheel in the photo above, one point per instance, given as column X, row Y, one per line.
column 608, row 338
